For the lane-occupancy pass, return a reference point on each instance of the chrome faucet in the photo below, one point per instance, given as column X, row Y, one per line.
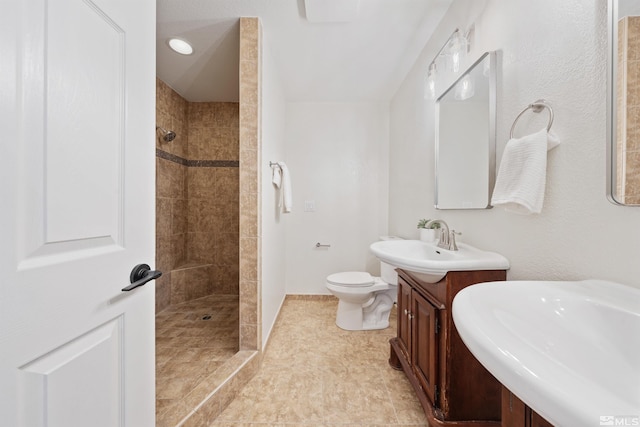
column 447, row 238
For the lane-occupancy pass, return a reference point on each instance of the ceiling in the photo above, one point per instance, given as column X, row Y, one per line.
column 359, row 61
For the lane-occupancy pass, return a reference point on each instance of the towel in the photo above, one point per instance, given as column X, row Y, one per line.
column 521, row 180
column 287, row 201
column 277, row 175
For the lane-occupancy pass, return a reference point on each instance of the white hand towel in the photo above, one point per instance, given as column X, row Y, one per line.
column 521, row 180
column 287, row 200
column 276, row 175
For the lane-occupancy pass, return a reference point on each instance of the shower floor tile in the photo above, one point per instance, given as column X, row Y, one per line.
column 193, row 339
column 315, row 374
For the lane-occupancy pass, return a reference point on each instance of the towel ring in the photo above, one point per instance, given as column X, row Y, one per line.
column 536, row 107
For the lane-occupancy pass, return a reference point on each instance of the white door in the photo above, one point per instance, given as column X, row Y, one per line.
column 77, row 83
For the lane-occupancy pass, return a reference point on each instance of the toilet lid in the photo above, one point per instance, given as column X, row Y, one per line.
column 351, row 278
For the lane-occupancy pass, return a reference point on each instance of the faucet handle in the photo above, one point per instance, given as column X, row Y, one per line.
column 452, row 240
column 444, row 237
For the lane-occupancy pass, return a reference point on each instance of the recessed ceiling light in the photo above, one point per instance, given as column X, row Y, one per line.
column 181, row 46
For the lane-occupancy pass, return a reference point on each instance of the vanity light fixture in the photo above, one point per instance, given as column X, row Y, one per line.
column 180, row 46
column 453, row 51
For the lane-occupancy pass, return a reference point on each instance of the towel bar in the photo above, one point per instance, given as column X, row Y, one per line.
column 272, row 164
column 536, row 107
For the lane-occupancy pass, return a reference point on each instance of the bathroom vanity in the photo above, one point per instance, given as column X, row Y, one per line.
column 515, row 413
column 452, row 386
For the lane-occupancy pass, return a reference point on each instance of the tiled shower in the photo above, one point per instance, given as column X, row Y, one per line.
column 208, row 243
column 197, row 204
column 197, row 244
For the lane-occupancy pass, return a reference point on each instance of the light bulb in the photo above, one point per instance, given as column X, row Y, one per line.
column 464, row 88
column 457, row 51
column 430, row 83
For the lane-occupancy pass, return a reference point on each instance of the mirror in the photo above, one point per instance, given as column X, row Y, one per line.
column 623, row 103
column 465, row 138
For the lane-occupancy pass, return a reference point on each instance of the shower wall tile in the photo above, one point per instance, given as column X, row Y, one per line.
column 201, row 183
column 179, row 216
column 226, row 218
column 178, row 250
column 163, row 216
column 171, row 111
column 192, row 283
column 226, row 115
column 249, row 40
column 249, row 258
column 227, row 183
column 248, row 301
column 250, row 228
column 248, row 138
column 170, row 178
column 202, row 216
column 163, row 291
column 201, row 248
column 164, row 254
column 249, row 174
column 213, row 131
column 227, row 247
column 249, row 215
column 226, row 279
column 249, row 87
column 250, row 335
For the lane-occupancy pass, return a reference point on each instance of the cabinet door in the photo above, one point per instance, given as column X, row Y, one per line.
column 514, row 411
column 538, row 421
column 424, row 344
column 404, row 308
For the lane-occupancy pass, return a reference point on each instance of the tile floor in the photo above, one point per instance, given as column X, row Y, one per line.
column 315, row 374
column 189, row 349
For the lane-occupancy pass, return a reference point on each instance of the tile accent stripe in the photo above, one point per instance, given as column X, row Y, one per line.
column 197, row 163
column 171, row 157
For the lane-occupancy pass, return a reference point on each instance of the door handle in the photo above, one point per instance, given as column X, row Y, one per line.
column 140, row 275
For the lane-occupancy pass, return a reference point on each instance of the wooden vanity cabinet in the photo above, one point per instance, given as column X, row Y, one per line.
column 452, row 386
column 515, row 413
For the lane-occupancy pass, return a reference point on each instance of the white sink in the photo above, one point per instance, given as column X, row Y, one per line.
column 434, row 262
column 569, row 350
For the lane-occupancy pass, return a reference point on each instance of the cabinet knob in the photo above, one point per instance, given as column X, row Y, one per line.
column 406, row 312
column 410, row 315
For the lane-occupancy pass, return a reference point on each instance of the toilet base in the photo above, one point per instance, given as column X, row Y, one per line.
column 372, row 315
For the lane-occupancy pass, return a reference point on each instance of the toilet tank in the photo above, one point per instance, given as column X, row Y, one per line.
column 387, row 271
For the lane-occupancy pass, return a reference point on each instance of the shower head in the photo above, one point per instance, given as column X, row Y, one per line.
column 167, row 135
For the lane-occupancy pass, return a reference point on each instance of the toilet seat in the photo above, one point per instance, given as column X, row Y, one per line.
column 351, row 279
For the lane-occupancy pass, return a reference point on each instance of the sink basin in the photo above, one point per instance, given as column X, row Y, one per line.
column 434, row 262
column 569, row 350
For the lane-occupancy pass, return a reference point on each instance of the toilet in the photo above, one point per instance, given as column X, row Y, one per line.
column 365, row 301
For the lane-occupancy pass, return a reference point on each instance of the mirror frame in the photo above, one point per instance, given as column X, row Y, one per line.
column 492, row 56
column 612, row 117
